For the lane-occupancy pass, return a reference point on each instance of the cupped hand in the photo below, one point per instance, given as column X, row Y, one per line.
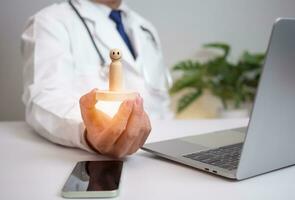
column 119, row 136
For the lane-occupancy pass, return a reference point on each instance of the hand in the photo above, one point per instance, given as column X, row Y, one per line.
column 119, row 136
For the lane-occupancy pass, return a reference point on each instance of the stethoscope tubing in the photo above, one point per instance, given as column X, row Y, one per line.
column 103, row 61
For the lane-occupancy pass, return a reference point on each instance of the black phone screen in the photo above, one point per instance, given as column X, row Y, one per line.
column 94, row 176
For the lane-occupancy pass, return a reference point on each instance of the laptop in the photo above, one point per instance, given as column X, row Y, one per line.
column 268, row 142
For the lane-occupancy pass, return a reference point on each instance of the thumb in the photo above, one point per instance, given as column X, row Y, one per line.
column 88, row 110
column 88, row 101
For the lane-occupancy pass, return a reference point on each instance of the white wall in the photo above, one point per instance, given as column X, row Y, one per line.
column 183, row 27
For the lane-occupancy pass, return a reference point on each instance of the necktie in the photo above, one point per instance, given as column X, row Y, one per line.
column 116, row 17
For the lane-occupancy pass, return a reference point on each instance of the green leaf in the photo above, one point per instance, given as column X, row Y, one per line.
column 219, row 45
column 217, row 66
column 230, row 82
column 187, row 99
column 187, row 65
column 252, row 58
column 184, row 82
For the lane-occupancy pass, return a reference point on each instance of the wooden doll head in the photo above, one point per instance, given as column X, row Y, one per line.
column 115, row 54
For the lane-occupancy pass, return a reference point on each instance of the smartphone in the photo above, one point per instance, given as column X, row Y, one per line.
column 94, row 179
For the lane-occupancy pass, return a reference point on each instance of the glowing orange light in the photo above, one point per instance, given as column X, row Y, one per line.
column 108, row 107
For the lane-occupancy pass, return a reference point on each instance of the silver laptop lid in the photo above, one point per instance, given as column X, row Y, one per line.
column 270, row 140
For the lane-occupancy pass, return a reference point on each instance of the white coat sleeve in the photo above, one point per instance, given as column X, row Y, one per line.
column 52, row 106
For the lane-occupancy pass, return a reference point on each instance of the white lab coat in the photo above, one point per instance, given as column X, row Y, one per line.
column 61, row 65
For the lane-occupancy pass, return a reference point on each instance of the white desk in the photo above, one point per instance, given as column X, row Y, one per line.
column 32, row 168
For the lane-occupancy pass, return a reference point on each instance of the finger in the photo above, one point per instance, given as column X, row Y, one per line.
column 145, row 131
column 120, row 120
column 117, row 125
column 88, row 101
column 134, row 147
column 133, row 130
column 88, row 111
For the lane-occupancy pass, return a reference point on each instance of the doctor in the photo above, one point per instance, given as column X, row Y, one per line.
column 65, row 51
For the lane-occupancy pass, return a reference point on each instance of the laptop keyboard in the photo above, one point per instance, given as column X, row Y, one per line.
column 226, row 157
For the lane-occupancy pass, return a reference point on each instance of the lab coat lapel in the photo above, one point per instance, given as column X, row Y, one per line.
column 105, row 30
column 137, row 41
column 138, row 44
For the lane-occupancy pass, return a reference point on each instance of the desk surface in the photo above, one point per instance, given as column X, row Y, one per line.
column 32, row 168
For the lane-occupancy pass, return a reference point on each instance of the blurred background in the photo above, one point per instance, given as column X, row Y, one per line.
column 184, row 27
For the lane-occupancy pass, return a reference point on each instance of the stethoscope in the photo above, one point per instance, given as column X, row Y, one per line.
column 102, row 59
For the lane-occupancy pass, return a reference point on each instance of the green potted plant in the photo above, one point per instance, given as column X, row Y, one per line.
column 234, row 84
